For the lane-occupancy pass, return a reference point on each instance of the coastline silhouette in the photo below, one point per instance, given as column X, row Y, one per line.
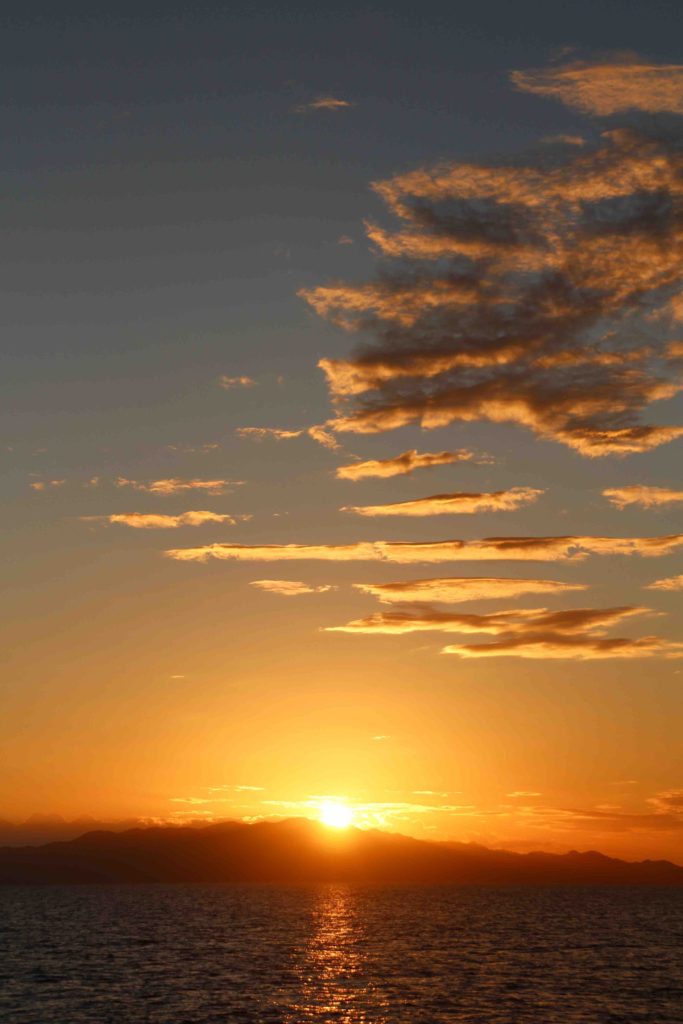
column 299, row 851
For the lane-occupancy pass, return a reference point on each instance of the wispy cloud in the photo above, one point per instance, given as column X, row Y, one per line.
column 175, row 485
column 324, row 437
column 190, row 449
column 638, row 494
column 44, row 485
column 576, row 633
column 455, row 589
column 492, row 548
column 513, row 292
column 669, row 583
column 268, row 433
column 290, row 588
column 518, row 793
column 157, row 521
column 405, row 463
column 452, row 504
column 565, row 646
column 317, row 432
column 522, row 621
column 332, row 103
column 235, row 382
column 609, row 87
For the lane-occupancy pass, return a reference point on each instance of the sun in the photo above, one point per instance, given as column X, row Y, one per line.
column 335, row 815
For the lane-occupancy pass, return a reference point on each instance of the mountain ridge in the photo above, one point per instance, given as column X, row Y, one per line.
column 298, row 851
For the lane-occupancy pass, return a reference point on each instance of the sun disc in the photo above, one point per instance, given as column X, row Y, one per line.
column 335, row 815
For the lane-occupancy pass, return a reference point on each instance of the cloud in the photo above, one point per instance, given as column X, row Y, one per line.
column 156, row 521
column 451, row 504
column 236, row 382
column 533, row 292
column 175, row 485
column 290, row 588
column 576, row 633
column 558, row 645
column 520, row 621
column 317, row 432
column 609, row 87
column 191, row 449
column 323, row 103
column 669, row 801
column 666, row 817
column 638, row 494
column 405, row 552
column 42, row 485
column 453, row 590
column 405, row 463
column 265, row 433
column 670, row 583
column 524, row 793
column 323, row 437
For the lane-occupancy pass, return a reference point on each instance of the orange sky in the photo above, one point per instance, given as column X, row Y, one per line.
column 429, row 563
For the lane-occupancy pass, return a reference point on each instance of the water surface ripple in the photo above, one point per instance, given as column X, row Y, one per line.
column 202, row 954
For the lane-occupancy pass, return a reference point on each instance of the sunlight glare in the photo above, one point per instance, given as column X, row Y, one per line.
column 335, row 815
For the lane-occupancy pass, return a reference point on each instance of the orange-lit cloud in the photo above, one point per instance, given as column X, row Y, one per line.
column 514, row 293
column 609, row 87
column 456, row 589
column 323, row 103
column 175, row 485
column 405, row 463
column 191, row 449
column 670, row 583
column 157, row 521
column 43, row 485
column 638, row 494
column 265, row 433
column 560, row 645
column 290, row 588
column 502, row 548
column 235, row 382
column 323, row 437
column 522, row 621
column 318, row 432
column 451, row 504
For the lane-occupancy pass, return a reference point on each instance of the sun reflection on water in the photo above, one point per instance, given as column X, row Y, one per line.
column 334, row 981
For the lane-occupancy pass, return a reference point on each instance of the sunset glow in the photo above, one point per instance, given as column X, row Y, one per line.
column 342, row 434
column 335, row 815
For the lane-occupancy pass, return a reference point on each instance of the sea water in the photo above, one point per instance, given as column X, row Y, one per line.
column 225, row 954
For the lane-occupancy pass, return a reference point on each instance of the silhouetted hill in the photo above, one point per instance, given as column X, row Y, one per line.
column 299, row 851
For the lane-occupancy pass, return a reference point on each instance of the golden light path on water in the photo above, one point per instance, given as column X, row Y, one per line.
column 333, row 969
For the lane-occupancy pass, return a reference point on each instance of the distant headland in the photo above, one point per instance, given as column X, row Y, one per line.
column 299, row 851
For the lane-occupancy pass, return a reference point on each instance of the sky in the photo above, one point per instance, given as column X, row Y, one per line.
column 341, row 417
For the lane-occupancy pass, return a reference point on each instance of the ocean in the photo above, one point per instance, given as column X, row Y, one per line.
column 226, row 954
